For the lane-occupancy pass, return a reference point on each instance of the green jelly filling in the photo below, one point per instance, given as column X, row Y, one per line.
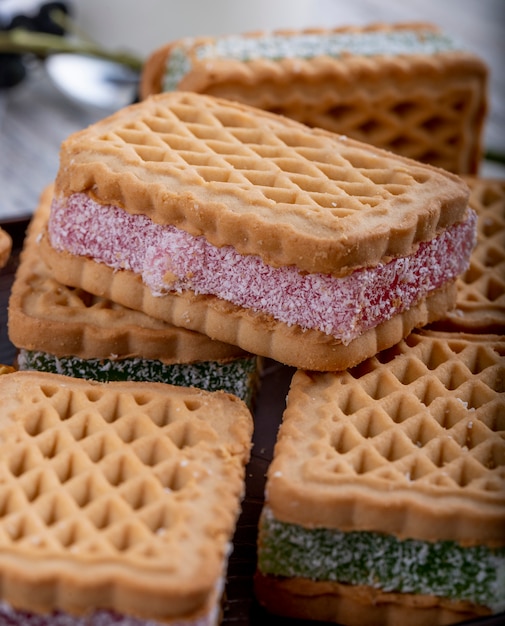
column 238, row 377
column 444, row 569
column 305, row 46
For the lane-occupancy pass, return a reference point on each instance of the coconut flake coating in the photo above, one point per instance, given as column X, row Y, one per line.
column 276, row 47
column 444, row 569
column 238, row 376
column 169, row 259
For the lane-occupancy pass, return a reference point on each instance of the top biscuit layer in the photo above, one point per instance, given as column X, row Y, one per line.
column 410, row 443
column 266, row 185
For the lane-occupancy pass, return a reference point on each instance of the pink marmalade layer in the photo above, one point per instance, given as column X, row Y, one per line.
column 169, row 259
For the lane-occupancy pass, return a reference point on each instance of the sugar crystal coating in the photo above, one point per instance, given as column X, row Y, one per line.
column 237, row 376
column 444, row 569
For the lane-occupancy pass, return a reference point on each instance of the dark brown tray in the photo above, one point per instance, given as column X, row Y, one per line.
column 241, row 608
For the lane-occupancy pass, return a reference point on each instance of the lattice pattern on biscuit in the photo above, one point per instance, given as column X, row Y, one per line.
column 433, row 402
column 413, row 123
column 480, row 304
column 220, row 145
column 146, row 479
column 426, row 418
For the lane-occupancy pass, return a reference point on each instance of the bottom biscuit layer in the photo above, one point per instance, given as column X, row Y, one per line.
column 351, row 605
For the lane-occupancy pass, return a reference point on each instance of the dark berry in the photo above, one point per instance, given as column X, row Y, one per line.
column 21, row 21
column 44, row 21
column 12, row 66
column 12, row 70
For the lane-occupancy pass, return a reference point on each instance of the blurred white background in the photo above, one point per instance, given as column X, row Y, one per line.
column 142, row 25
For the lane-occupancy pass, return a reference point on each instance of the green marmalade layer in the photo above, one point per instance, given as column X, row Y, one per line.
column 238, row 377
column 444, row 569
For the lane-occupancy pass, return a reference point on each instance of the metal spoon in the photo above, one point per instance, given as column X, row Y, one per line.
column 93, row 81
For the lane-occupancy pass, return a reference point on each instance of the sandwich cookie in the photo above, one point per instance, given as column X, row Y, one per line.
column 385, row 498
column 293, row 243
column 118, row 501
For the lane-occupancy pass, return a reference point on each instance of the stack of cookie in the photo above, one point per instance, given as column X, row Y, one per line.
column 385, row 499
column 191, row 224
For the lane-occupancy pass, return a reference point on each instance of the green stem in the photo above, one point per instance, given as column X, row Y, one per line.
column 493, row 155
column 21, row 41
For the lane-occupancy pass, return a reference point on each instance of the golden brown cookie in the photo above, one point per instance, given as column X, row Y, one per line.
column 5, row 247
column 385, row 498
column 480, row 304
column 118, row 497
column 279, row 231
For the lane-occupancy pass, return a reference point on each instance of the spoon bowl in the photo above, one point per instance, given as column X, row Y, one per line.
column 92, row 81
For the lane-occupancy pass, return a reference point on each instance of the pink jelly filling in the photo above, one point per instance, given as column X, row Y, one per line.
column 169, row 259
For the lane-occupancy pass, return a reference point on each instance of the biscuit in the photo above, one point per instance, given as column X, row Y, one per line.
column 117, row 499
column 293, row 227
column 69, row 331
column 385, row 497
column 480, row 303
column 5, row 247
column 408, row 87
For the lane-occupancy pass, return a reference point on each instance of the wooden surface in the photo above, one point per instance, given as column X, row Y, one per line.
column 35, row 117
